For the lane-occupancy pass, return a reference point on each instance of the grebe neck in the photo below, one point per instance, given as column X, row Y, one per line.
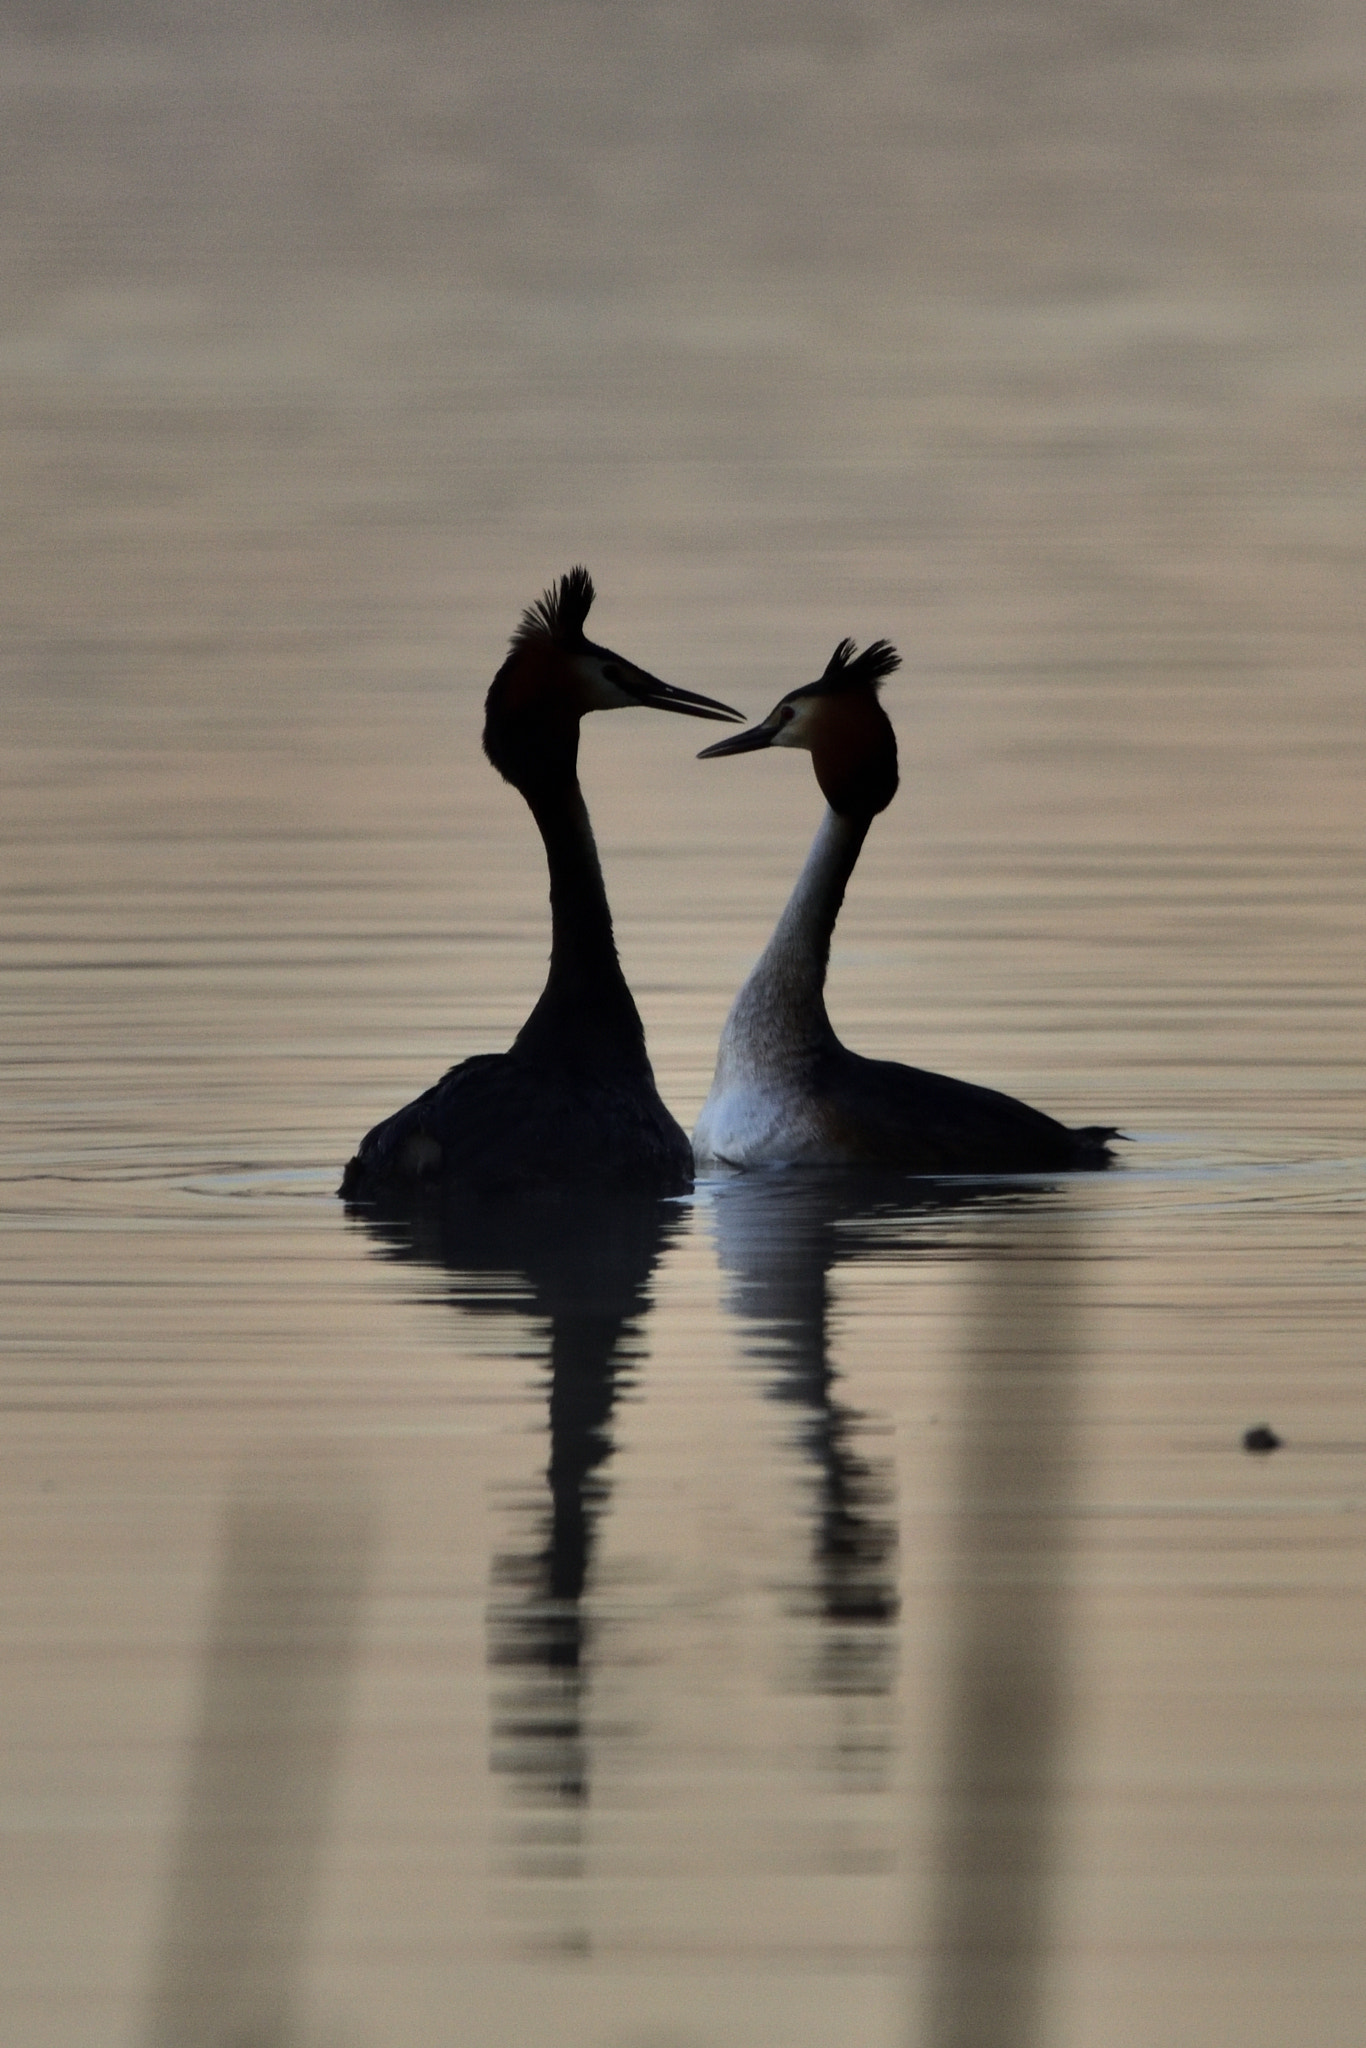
column 586, row 1017
column 784, row 996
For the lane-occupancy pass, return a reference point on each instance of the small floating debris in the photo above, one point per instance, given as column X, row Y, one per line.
column 1262, row 1438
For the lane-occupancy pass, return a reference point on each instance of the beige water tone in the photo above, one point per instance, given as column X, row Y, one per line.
column 777, row 1620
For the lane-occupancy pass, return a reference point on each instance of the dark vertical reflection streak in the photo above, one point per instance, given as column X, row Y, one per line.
column 780, row 1236
column 280, row 1645
column 1007, row 1693
column 539, row 1632
column 577, row 1264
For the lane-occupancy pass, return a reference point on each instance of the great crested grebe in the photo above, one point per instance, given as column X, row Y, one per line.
column 574, row 1097
column 786, row 1092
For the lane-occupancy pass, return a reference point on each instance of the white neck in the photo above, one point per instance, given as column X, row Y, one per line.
column 778, row 1020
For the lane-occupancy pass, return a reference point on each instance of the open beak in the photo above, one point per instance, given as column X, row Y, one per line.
column 742, row 742
column 647, row 689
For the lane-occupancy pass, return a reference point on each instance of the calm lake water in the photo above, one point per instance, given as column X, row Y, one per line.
column 812, row 1611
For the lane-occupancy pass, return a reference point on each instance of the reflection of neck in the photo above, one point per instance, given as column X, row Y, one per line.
column 583, row 1386
column 586, row 1015
column 783, row 1000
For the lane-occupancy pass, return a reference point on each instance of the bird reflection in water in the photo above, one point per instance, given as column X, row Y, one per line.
column 781, row 1235
column 577, row 1262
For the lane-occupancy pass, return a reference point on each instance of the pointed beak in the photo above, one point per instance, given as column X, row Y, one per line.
column 742, row 742
column 647, row 689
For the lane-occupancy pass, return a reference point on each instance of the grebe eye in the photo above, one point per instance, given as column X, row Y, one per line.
column 787, row 713
column 611, row 673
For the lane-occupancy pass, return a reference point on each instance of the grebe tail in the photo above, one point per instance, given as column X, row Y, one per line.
column 786, row 1091
column 574, row 1097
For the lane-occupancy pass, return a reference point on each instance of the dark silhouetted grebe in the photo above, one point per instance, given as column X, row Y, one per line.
column 574, row 1097
column 785, row 1090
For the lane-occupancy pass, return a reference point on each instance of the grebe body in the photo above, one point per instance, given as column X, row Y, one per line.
column 574, row 1097
column 786, row 1091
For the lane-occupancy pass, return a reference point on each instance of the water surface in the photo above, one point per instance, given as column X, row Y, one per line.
column 810, row 1611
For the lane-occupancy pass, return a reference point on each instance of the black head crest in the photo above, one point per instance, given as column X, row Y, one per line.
column 848, row 670
column 559, row 613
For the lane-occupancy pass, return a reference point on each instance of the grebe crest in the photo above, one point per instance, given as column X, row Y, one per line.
column 553, row 676
column 841, row 724
column 574, row 1098
column 786, row 1091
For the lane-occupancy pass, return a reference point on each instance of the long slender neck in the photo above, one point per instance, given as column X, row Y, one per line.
column 586, row 1018
column 781, row 1008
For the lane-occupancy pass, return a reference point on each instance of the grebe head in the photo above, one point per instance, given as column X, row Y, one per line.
column 842, row 726
column 553, row 675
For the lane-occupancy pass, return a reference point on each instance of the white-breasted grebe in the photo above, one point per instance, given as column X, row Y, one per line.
column 786, row 1092
column 574, row 1097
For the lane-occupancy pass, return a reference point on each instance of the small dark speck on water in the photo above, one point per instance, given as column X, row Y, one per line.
column 1262, row 1438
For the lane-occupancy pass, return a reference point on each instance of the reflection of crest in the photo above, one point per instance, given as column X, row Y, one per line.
column 578, row 1266
column 578, row 1261
column 780, row 1234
